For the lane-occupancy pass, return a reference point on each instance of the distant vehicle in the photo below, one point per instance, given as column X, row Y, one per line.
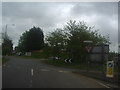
column 19, row 53
column 54, row 58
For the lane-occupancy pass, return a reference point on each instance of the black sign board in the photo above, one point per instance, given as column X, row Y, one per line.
column 99, row 52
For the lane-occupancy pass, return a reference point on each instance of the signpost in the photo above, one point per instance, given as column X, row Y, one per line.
column 110, row 69
column 88, row 48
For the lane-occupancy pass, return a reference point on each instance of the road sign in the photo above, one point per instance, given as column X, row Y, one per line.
column 110, row 69
column 68, row 60
column 88, row 48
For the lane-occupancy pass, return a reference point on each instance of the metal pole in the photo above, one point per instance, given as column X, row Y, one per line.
column 88, row 63
column 88, row 54
column 103, row 58
column 6, row 31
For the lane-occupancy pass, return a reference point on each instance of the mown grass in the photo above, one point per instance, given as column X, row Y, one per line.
column 61, row 63
column 4, row 60
column 36, row 55
column 81, row 66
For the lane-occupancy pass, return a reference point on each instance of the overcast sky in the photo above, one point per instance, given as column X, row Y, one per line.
column 50, row 15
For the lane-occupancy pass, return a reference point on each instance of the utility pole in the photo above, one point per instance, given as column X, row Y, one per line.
column 6, row 28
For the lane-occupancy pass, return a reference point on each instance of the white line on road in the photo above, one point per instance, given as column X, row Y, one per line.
column 60, row 71
column 100, row 83
column 103, row 85
column 44, row 70
column 4, row 65
column 63, row 71
column 54, row 69
column 30, row 83
column 32, row 72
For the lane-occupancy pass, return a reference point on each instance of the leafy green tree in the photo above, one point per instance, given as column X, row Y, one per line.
column 78, row 33
column 57, row 41
column 31, row 40
column 7, row 45
column 71, row 38
column 22, row 42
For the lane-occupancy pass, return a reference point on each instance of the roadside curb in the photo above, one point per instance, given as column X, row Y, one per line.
column 111, row 82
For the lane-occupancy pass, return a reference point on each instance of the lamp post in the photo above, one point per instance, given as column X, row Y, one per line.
column 6, row 28
column 88, row 48
column 59, row 49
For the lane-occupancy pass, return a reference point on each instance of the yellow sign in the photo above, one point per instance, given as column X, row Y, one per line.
column 110, row 69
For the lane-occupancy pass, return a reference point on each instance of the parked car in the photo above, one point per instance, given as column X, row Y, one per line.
column 54, row 58
column 19, row 53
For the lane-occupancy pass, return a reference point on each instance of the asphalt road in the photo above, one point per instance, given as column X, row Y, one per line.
column 31, row 73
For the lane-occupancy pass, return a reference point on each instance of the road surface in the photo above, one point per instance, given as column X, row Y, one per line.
column 31, row 73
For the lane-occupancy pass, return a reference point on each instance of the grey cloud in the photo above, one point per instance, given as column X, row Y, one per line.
column 107, row 27
column 105, row 17
column 119, row 23
column 40, row 12
column 0, row 17
column 47, row 16
column 108, row 8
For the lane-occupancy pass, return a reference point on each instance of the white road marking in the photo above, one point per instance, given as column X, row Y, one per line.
column 30, row 83
column 100, row 83
column 44, row 70
column 63, row 71
column 54, row 69
column 60, row 71
column 103, row 85
column 4, row 65
column 32, row 72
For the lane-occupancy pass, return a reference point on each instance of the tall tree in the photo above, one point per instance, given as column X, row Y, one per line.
column 73, row 35
column 7, row 45
column 56, row 40
column 22, row 47
column 31, row 40
column 78, row 33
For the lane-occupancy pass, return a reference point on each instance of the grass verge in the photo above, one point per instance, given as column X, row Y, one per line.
column 4, row 60
column 61, row 63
